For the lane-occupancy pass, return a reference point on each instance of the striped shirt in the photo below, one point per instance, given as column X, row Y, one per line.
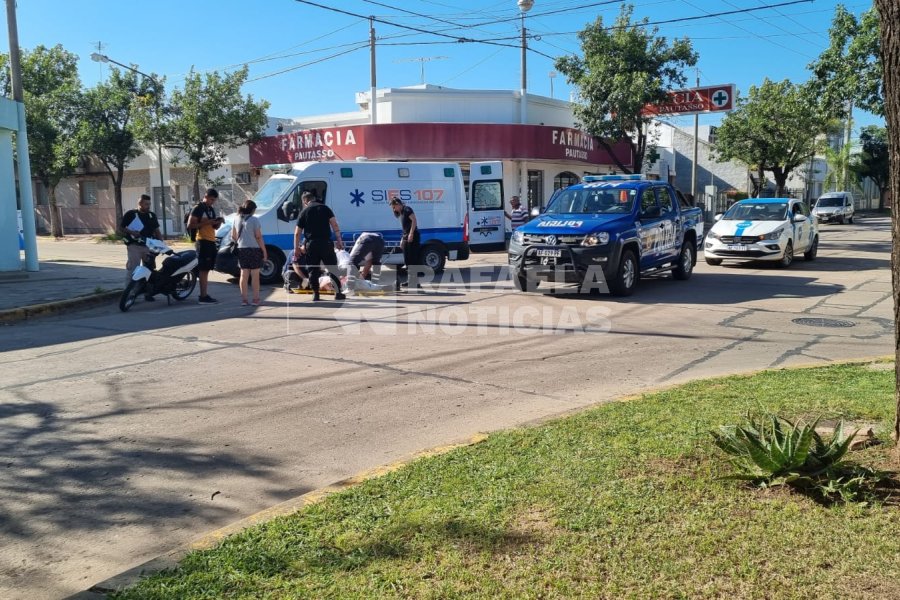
column 518, row 217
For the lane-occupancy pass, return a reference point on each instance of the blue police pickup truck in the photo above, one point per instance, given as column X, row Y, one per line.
column 605, row 233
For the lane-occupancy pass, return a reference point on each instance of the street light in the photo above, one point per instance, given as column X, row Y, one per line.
column 524, row 7
column 552, row 75
column 102, row 58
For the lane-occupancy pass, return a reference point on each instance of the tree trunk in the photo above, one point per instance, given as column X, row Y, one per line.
column 197, row 195
column 56, row 226
column 118, row 178
column 882, row 194
column 760, row 181
column 890, row 62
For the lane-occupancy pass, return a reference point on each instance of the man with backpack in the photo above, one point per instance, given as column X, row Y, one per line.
column 205, row 221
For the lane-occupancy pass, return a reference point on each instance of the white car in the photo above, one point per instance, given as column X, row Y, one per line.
column 834, row 206
column 772, row 229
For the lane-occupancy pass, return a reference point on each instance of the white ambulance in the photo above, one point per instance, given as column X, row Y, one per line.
column 359, row 194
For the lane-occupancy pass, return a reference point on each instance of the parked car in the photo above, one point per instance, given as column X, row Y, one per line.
column 834, row 206
column 613, row 228
column 771, row 229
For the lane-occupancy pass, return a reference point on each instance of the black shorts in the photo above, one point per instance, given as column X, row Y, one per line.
column 250, row 258
column 206, row 255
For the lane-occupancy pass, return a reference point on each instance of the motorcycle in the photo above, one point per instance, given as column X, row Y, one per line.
column 176, row 279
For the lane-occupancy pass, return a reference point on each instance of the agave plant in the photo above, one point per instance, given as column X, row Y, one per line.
column 770, row 450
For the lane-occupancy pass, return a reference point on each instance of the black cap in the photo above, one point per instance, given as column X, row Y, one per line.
column 212, row 193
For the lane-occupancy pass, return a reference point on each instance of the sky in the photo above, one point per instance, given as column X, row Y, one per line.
column 310, row 60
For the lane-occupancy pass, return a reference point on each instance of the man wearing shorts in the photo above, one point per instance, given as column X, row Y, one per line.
column 205, row 221
column 317, row 221
column 366, row 252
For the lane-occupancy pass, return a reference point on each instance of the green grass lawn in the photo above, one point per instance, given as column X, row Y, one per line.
column 624, row 500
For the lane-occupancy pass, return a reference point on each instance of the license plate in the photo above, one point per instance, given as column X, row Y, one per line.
column 549, row 252
column 737, row 247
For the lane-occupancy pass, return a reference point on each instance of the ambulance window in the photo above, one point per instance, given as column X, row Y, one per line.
column 318, row 188
column 487, row 195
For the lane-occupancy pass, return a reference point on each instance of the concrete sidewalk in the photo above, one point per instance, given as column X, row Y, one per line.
column 74, row 272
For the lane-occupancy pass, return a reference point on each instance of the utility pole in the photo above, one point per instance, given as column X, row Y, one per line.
column 373, row 102
column 29, row 232
column 848, row 131
column 696, row 144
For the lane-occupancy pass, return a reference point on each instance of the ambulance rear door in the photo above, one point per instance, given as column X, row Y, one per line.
column 487, row 226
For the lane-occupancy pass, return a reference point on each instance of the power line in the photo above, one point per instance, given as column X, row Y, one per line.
column 398, row 25
column 788, row 48
column 307, row 64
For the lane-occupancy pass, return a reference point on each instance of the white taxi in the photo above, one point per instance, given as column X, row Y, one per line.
column 771, row 229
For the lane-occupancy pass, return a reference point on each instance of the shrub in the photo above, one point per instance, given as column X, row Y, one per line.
column 769, row 450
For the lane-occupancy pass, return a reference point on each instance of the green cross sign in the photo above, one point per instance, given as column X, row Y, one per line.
column 720, row 98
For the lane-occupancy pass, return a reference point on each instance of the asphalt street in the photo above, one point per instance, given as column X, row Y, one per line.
column 123, row 435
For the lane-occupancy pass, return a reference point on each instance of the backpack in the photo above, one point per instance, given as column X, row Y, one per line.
column 192, row 231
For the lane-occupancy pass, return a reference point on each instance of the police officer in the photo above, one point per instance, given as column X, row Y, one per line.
column 317, row 221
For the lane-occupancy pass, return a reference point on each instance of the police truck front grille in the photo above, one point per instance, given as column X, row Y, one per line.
column 571, row 240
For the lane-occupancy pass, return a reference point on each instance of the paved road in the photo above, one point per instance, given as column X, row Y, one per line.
column 124, row 435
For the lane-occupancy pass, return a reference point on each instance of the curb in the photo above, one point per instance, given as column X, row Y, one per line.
column 171, row 559
column 16, row 315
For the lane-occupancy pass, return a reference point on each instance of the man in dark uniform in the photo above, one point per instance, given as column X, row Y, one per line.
column 317, row 221
column 138, row 225
column 409, row 243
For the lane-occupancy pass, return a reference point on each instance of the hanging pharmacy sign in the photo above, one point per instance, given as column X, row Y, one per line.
column 694, row 101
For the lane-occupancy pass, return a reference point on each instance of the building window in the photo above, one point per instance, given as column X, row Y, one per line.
column 564, row 180
column 535, row 190
column 41, row 195
column 89, row 193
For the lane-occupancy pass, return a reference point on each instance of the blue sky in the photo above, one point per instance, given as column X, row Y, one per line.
column 291, row 46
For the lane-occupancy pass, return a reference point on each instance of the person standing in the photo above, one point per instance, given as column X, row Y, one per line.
column 137, row 225
column 205, row 221
column 317, row 221
column 409, row 243
column 518, row 216
column 247, row 232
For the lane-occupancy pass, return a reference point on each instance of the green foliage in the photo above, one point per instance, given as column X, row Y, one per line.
column 624, row 68
column 849, row 70
column 838, row 163
column 773, row 128
column 769, row 449
column 113, row 126
column 873, row 160
column 52, row 95
column 209, row 116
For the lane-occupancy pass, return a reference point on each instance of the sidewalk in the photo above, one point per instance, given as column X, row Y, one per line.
column 75, row 272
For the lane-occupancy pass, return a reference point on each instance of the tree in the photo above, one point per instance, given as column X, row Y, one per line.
column 873, row 160
column 51, row 92
column 624, row 68
column 209, row 116
column 773, row 129
column 890, row 59
column 113, row 128
column 849, row 70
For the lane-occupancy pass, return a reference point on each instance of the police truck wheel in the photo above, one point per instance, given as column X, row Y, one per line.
column 434, row 257
column 271, row 268
column 626, row 276
column 685, row 266
column 185, row 286
column 132, row 291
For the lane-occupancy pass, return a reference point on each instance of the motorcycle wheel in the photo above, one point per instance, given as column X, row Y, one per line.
column 132, row 291
column 185, row 286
